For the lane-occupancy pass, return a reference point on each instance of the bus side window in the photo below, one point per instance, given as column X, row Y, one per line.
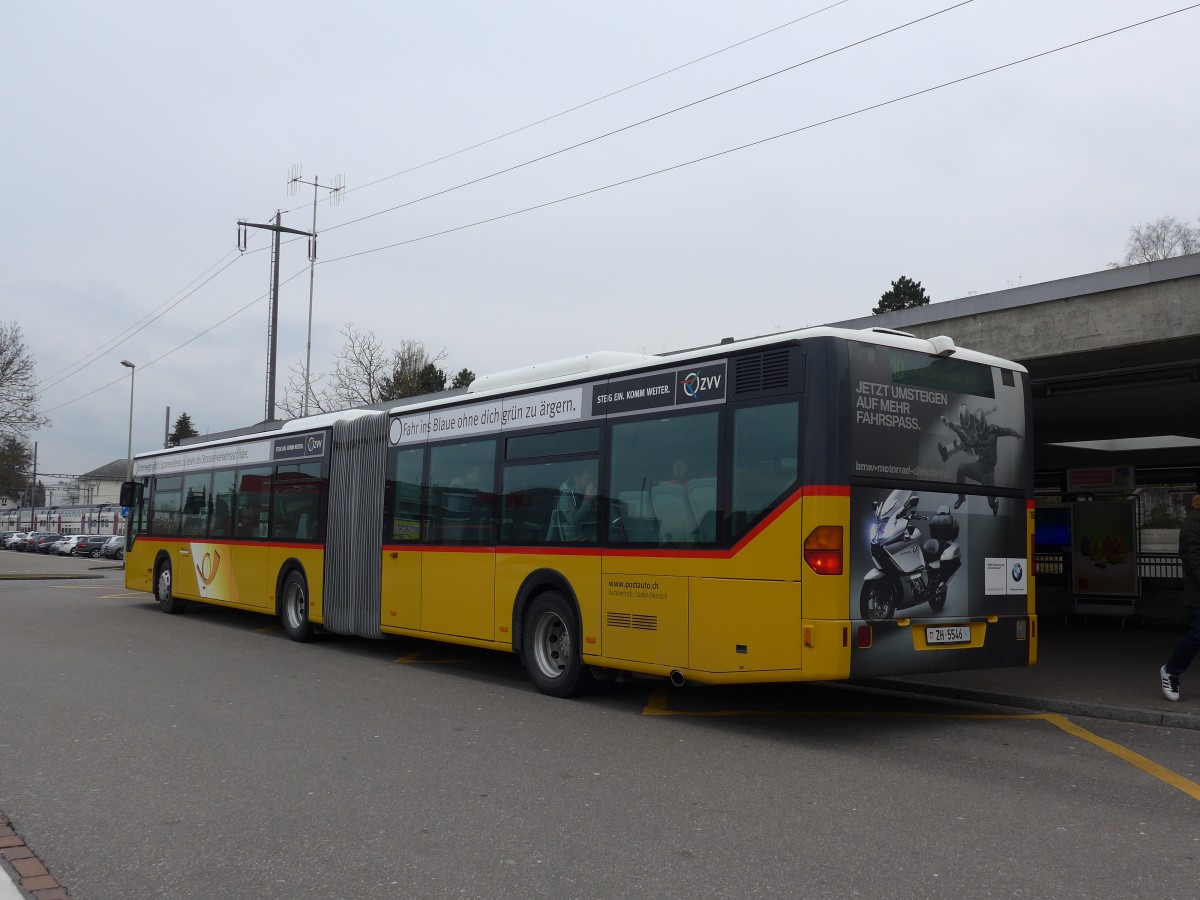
column 196, row 499
column 462, row 492
column 403, row 521
column 296, row 503
column 253, row 502
column 766, row 447
column 550, row 502
column 222, row 498
column 165, row 503
column 664, row 479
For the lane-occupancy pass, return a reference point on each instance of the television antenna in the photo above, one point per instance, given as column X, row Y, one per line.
column 336, row 190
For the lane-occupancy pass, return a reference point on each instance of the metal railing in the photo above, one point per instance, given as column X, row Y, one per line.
column 1166, row 569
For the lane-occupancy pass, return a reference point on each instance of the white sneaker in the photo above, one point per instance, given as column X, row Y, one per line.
column 1170, row 684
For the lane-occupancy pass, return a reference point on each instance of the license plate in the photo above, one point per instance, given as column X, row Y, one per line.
column 948, row 634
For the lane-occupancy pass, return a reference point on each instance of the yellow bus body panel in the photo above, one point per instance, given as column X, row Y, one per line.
column 457, row 591
column 739, row 626
column 580, row 570
column 400, row 605
column 243, row 576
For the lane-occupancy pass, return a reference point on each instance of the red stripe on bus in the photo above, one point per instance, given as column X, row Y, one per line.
column 808, row 490
column 825, row 490
column 226, row 542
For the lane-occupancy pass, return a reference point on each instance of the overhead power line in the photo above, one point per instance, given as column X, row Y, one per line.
column 664, row 170
column 176, row 349
column 774, row 137
column 655, row 117
column 154, row 315
column 594, row 100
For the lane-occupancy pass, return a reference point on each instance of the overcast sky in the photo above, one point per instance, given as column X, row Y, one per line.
column 137, row 134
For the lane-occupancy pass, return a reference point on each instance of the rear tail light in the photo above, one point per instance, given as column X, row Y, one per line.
column 823, row 550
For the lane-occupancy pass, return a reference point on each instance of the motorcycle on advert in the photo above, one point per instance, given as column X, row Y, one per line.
column 907, row 570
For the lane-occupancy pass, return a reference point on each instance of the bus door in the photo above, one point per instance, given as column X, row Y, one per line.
column 405, row 529
column 458, row 566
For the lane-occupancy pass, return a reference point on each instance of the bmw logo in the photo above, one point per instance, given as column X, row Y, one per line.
column 1017, row 572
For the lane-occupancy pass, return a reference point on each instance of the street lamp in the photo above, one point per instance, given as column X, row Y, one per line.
column 132, row 372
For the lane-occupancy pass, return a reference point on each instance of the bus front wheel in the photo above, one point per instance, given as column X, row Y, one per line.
column 551, row 646
column 293, row 608
column 167, row 601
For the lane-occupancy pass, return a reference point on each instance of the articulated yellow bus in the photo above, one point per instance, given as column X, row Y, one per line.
column 821, row 504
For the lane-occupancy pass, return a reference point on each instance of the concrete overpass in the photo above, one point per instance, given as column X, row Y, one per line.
column 1114, row 358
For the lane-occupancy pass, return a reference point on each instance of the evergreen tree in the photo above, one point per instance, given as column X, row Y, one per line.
column 183, row 429
column 15, row 462
column 905, row 294
column 463, row 379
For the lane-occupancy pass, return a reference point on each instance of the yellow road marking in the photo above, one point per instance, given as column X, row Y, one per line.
column 416, row 657
column 1189, row 787
column 657, row 706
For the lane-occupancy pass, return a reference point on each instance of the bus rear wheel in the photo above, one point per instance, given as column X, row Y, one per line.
column 167, row 601
column 551, row 646
column 293, row 608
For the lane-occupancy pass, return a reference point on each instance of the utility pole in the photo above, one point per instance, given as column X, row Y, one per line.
column 335, row 198
column 33, row 492
column 273, row 322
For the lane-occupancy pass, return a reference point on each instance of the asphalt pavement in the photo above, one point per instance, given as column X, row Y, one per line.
column 1105, row 668
column 1088, row 667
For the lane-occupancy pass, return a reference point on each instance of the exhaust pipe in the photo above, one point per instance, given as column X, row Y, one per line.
column 677, row 679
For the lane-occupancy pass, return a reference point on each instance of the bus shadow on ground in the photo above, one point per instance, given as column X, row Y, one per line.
column 718, row 705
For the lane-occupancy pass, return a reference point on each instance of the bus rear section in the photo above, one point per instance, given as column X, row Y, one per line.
column 940, row 514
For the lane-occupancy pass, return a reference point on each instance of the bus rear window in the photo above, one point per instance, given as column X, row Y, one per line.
column 920, row 417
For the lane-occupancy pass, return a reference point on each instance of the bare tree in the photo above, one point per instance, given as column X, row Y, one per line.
column 18, row 385
column 1160, row 239
column 364, row 373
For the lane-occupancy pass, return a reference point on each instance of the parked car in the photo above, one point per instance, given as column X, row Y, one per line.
column 114, row 547
column 89, row 545
column 21, row 542
column 43, row 542
column 7, row 536
column 66, row 546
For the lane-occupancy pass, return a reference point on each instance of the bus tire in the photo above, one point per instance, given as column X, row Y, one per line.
column 293, row 608
column 167, row 601
column 877, row 602
column 551, row 648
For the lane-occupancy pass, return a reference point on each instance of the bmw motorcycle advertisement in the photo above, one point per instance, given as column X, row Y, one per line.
column 936, row 541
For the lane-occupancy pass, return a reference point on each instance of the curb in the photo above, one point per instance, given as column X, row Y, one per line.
column 21, row 864
column 1045, row 704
